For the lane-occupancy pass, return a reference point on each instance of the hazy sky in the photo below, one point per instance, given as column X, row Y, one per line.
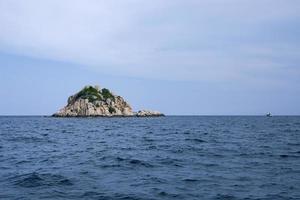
column 176, row 56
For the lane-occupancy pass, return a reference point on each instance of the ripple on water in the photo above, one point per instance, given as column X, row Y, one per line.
column 137, row 162
column 28, row 139
column 134, row 162
column 197, row 140
column 38, row 180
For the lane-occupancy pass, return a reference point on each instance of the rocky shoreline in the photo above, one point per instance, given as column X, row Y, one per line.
column 96, row 102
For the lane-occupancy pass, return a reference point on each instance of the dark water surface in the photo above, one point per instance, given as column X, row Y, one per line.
column 150, row 158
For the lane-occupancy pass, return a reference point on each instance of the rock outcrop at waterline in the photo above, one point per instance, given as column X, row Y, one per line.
column 94, row 101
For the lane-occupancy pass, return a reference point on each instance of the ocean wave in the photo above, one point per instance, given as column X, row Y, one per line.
column 39, row 179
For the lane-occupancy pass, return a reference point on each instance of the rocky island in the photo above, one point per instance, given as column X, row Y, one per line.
column 96, row 102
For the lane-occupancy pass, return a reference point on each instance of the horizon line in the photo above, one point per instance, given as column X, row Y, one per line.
column 171, row 115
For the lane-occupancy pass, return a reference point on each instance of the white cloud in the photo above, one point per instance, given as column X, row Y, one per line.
column 171, row 39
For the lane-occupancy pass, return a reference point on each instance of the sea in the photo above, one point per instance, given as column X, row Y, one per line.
column 172, row 157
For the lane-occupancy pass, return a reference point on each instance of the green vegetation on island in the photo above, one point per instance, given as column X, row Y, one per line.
column 111, row 110
column 107, row 94
column 93, row 94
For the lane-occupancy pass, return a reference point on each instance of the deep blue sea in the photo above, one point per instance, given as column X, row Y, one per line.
column 202, row 157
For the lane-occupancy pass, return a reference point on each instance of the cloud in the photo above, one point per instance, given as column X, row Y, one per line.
column 171, row 39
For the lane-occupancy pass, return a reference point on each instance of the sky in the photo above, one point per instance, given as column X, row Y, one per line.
column 181, row 57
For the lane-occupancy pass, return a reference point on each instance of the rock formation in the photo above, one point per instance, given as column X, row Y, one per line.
column 147, row 113
column 94, row 101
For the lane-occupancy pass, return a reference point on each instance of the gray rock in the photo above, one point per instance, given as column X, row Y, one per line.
column 148, row 113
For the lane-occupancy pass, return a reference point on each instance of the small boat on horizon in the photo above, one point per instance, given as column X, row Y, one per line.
column 268, row 115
